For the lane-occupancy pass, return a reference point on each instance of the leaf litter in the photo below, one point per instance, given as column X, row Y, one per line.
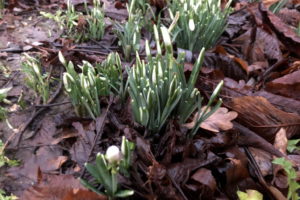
column 258, row 56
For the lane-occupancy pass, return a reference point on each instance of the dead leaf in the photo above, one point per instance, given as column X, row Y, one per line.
column 283, row 103
column 218, row 121
column 285, row 34
column 288, row 85
column 281, row 141
column 227, row 65
column 289, row 16
column 205, row 177
column 47, row 158
column 263, row 160
column 59, row 187
column 262, row 117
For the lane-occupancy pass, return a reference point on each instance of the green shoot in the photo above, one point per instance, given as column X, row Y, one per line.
column 4, row 160
column 3, row 94
column 291, row 176
column 200, row 23
column 35, row 78
column 129, row 34
column 108, row 167
column 159, row 90
column 276, row 7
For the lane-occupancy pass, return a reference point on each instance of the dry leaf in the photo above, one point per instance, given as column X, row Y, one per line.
column 281, row 141
column 60, row 187
column 218, row 121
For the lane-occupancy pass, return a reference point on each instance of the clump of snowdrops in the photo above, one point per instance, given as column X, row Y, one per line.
column 85, row 88
column 200, row 22
column 159, row 90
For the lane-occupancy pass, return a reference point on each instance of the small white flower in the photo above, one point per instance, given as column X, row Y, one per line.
column 191, row 25
column 113, row 154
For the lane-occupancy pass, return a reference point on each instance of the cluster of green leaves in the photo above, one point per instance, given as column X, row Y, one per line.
column 35, row 78
column 294, row 186
column 86, row 87
column 200, row 22
column 158, row 88
column 4, row 160
column 106, row 171
column 93, row 22
column 3, row 196
column 292, row 145
column 129, row 33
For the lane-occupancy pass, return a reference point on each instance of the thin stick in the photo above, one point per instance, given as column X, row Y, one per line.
column 53, row 104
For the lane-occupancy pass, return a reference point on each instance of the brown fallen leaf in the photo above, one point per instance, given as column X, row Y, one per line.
column 59, row 187
column 288, row 85
column 218, row 121
column 47, row 158
column 205, row 177
column 263, row 118
column 242, row 63
column 281, row 141
column 284, row 33
column 263, row 160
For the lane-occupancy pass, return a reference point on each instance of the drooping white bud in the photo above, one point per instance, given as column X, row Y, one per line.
column 113, row 154
column 191, row 25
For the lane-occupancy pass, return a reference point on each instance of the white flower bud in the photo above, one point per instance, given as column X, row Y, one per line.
column 191, row 25
column 113, row 154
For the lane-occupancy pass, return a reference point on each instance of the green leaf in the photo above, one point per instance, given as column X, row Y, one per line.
column 292, row 145
column 89, row 186
column 124, row 193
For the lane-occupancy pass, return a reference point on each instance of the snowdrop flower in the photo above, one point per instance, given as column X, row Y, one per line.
column 191, row 24
column 113, row 154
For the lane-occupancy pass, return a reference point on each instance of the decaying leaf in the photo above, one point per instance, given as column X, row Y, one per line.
column 205, row 177
column 281, row 141
column 263, row 118
column 218, row 121
column 59, row 187
column 288, row 85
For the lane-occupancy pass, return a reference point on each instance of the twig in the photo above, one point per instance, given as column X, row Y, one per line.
column 52, row 104
column 266, row 74
column 276, row 194
column 17, row 136
column 178, row 188
column 99, row 128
